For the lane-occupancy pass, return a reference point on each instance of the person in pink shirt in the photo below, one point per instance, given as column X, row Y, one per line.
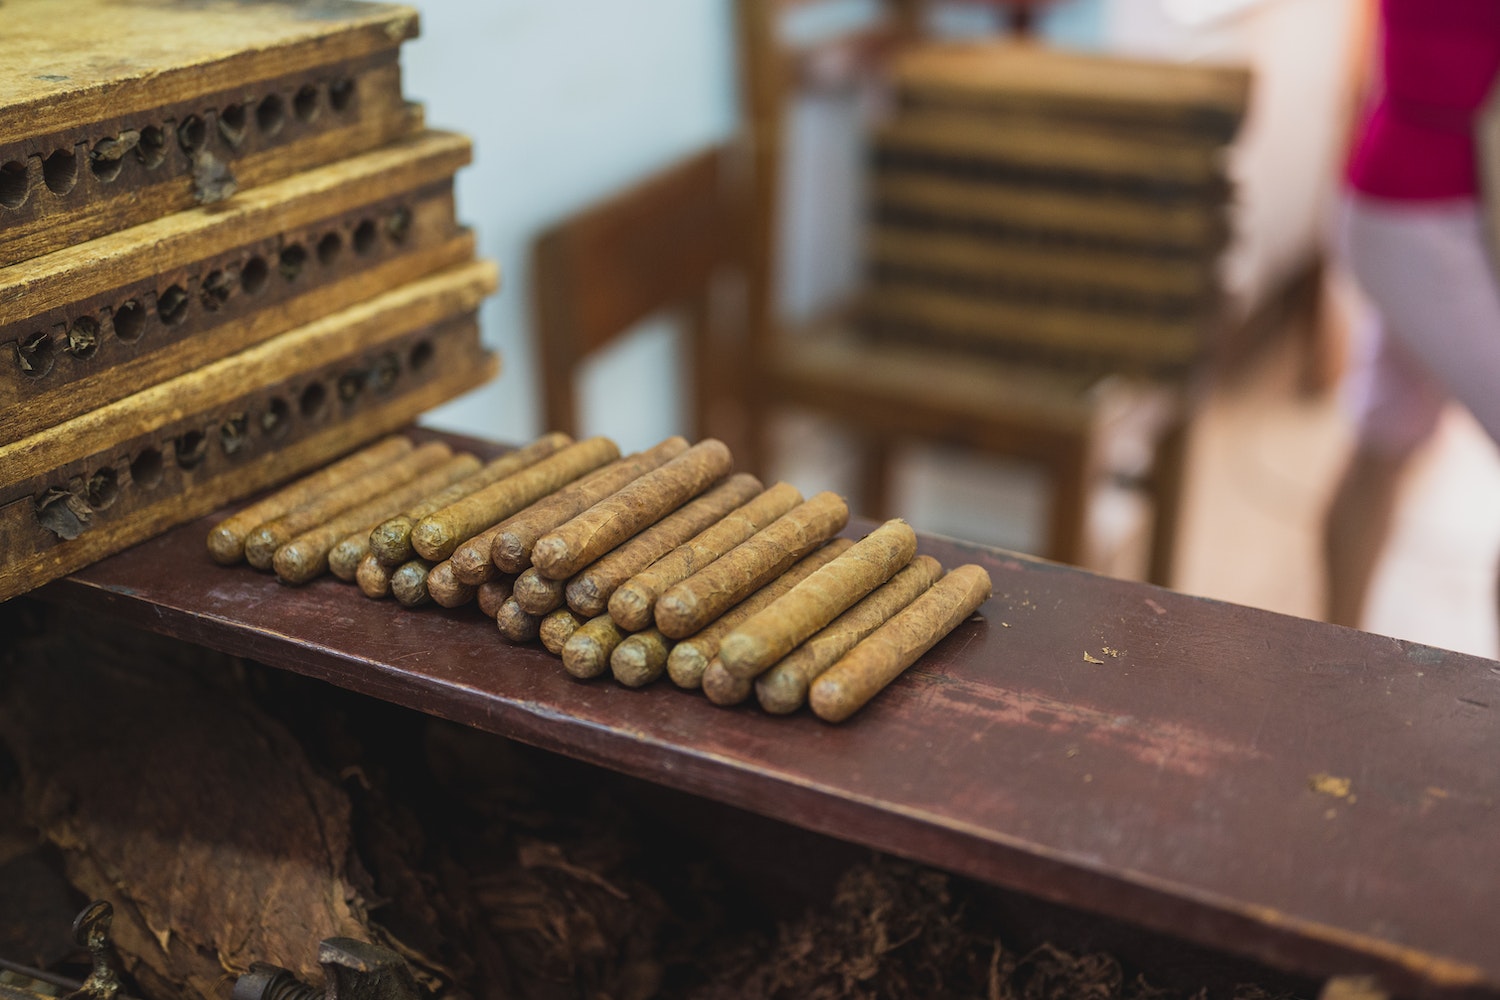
column 1414, row 238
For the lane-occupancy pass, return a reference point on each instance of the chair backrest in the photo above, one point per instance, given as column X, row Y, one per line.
column 655, row 247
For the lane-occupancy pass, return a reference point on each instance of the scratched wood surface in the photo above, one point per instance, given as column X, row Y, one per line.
column 1316, row 798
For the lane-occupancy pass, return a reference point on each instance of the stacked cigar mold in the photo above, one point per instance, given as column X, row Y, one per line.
column 228, row 254
column 660, row 562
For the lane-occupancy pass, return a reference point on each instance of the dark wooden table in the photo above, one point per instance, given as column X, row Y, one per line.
column 1319, row 799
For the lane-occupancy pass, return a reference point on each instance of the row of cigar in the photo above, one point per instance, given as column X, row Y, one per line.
column 658, row 562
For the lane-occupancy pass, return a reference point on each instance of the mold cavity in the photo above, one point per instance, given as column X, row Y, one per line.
column 277, row 419
column 398, row 224
column 314, row 401
column 293, row 256
column 305, row 103
column 130, row 320
column 106, row 159
column 233, row 433
column 383, row 375
column 60, row 171
column 364, row 237
column 103, row 489
column 421, row 355
column 13, row 184
column 253, row 275
column 192, row 134
column 214, row 291
column 232, row 122
column 171, row 305
column 36, row 354
column 329, row 247
column 350, row 386
column 152, row 148
column 341, row 93
column 83, row 337
column 270, row 114
column 146, row 468
column 190, row 449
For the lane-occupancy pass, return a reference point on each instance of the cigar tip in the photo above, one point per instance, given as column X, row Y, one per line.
column 225, row 546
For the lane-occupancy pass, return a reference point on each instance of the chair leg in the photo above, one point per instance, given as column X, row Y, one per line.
column 1168, row 486
column 1067, row 516
column 873, row 482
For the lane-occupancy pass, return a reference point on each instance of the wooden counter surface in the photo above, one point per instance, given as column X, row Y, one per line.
column 1319, row 799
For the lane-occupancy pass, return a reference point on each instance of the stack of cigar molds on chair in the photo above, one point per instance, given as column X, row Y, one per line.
column 228, row 253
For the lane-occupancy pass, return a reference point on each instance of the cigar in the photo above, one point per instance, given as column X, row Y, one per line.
column 579, row 541
column 724, row 688
column 261, row 544
column 783, row 688
column 391, row 541
column 770, row 634
column 345, row 557
column 640, row 658
column 511, row 551
column 439, row 533
column 589, row 591
column 409, row 583
column 445, row 590
column 306, row 556
column 690, row 604
column 879, row 659
column 537, row 595
column 373, row 577
column 226, row 540
column 515, row 624
column 586, row 653
column 690, row 657
column 492, row 593
column 557, row 627
column 632, row 602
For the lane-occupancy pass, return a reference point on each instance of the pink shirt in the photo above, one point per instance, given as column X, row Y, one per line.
column 1438, row 61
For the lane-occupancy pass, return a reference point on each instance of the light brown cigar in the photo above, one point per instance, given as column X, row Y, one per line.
column 511, row 551
column 641, row 658
column 444, row 590
column 409, row 583
column 391, row 541
column 783, row 688
column 439, row 533
column 579, row 541
column 306, row 556
column 691, row 656
column 226, row 540
column 589, row 591
column 770, row 634
column 374, row 579
column 690, row 604
column 632, row 602
column 515, row 624
column 586, row 653
column 493, row 593
column 345, row 557
column 262, row 543
column 879, row 659
column 538, row 595
column 557, row 628
column 722, row 687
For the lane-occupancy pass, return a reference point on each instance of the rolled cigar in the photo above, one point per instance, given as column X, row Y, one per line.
column 640, row 658
column 409, row 583
column 391, row 541
column 515, row 624
column 632, row 602
column 724, row 688
column 445, row 590
column 373, row 577
column 586, row 653
column 770, row 634
column 589, row 591
column 511, row 551
column 691, row 656
column 557, row 627
column 306, row 556
column 879, row 659
column 537, row 595
column 345, row 557
column 783, row 688
column 226, row 540
column 261, row 544
column 579, row 541
column 439, row 533
column 492, row 593
column 690, row 604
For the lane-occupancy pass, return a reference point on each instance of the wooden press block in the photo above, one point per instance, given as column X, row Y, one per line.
column 114, row 113
column 177, row 450
column 89, row 324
